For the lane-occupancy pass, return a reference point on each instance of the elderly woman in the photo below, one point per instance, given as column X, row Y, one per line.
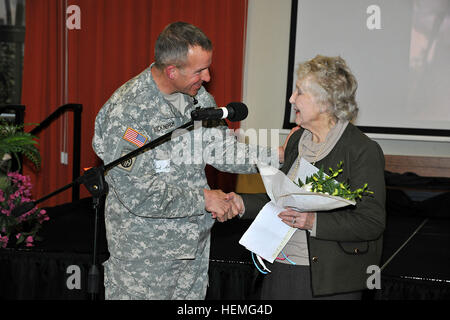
column 329, row 253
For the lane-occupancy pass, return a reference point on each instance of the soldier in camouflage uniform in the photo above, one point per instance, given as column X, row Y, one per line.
column 158, row 209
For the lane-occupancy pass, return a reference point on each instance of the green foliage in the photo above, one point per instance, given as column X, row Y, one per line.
column 322, row 183
column 14, row 141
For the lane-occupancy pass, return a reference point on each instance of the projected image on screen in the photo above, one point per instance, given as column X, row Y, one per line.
column 398, row 50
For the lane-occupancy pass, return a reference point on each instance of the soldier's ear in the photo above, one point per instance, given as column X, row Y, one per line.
column 171, row 72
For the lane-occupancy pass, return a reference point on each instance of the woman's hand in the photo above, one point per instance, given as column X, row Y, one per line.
column 296, row 219
column 237, row 203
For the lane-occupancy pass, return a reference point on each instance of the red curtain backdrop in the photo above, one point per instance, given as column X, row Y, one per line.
column 115, row 43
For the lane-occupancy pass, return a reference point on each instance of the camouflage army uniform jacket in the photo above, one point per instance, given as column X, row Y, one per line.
column 155, row 207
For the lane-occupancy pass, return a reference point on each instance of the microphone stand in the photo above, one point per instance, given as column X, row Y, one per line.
column 94, row 181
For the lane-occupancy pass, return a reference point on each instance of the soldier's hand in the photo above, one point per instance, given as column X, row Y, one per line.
column 237, row 207
column 216, row 202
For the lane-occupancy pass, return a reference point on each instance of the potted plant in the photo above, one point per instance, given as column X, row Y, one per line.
column 14, row 141
column 15, row 188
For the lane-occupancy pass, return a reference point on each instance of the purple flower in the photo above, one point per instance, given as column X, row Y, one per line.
column 18, row 192
column 29, row 241
column 4, row 241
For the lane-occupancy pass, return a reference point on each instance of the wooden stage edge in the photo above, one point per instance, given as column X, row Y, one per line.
column 420, row 165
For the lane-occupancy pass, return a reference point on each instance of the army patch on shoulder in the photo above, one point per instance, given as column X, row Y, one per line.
column 134, row 137
column 127, row 164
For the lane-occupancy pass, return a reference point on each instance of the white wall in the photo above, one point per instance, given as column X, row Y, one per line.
column 266, row 63
column 265, row 78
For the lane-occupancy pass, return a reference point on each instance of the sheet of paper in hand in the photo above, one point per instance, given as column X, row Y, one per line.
column 267, row 235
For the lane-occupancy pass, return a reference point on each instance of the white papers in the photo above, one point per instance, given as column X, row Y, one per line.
column 267, row 235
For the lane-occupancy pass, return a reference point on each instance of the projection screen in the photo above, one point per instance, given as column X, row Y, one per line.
column 398, row 50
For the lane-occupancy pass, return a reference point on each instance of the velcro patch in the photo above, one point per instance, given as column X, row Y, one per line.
column 134, row 137
column 127, row 164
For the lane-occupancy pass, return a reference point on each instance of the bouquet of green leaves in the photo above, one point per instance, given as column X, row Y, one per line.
column 322, row 183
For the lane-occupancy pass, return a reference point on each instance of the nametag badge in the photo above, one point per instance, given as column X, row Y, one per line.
column 162, row 165
column 164, row 126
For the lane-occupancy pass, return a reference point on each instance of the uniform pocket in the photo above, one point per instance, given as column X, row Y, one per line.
column 354, row 248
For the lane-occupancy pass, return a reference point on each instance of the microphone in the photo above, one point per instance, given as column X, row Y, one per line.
column 234, row 111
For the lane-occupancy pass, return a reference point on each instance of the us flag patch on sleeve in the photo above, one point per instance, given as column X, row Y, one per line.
column 134, row 137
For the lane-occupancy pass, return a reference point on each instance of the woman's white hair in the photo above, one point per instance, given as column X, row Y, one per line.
column 332, row 85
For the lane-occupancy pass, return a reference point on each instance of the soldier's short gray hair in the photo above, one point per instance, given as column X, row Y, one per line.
column 173, row 43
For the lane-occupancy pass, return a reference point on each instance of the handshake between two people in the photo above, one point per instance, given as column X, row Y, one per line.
column 223, row 206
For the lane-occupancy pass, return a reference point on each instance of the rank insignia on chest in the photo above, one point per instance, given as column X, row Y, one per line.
column 134, row 137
